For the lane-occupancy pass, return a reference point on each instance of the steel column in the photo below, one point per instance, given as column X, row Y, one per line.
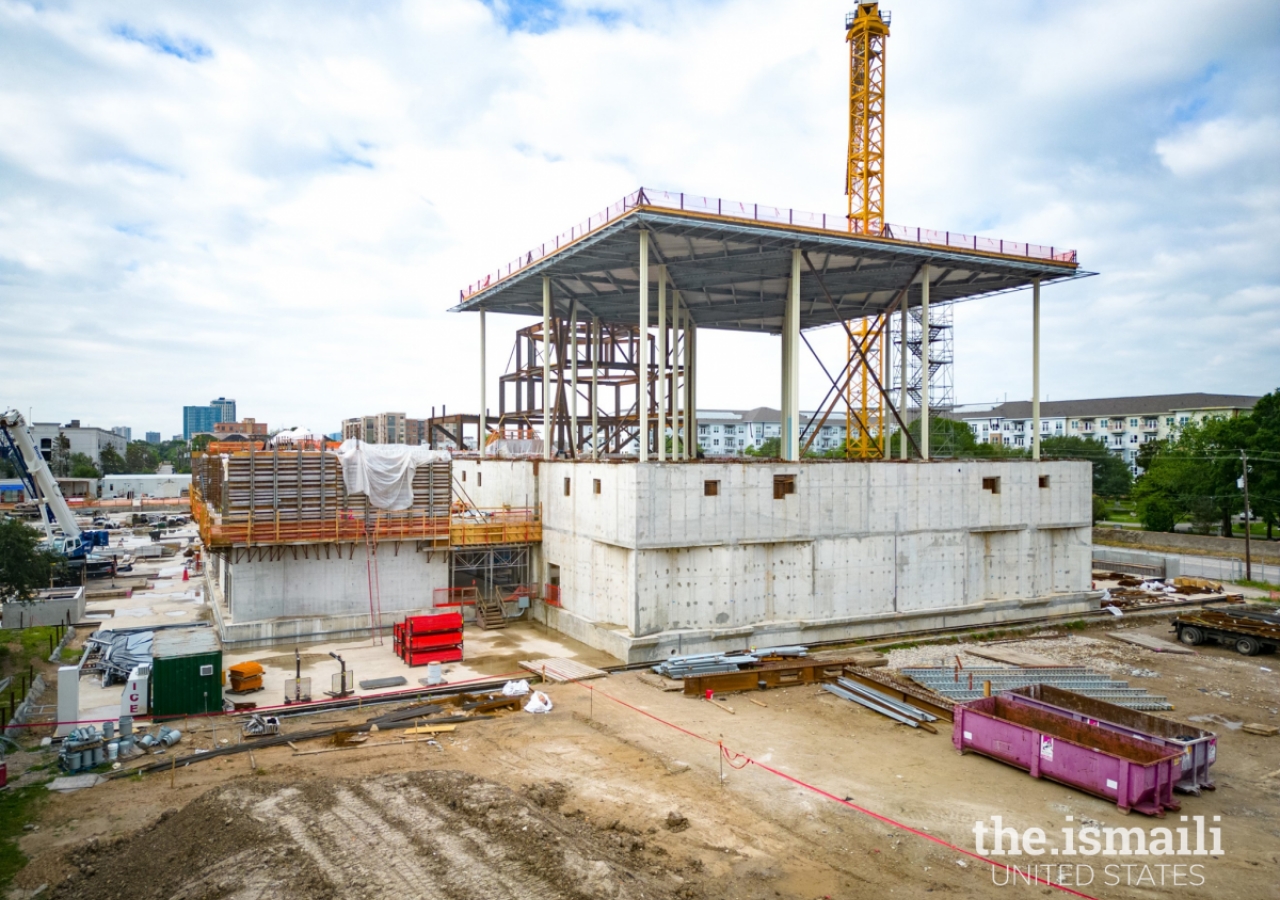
column 1035, row 369
column 642, row 351
column 546, row 368
column 924, row 364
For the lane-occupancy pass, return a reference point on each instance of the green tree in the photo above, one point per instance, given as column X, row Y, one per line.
column 1100, row 509
column 947, row 438
column 1111, row 476
column 770, row 448
column 60, row 457
column 141, row 458
column 112, row 462
column 7, row 468
column 82, row 466
column 1195, row 477
column 24, row 567
column 1264, row 461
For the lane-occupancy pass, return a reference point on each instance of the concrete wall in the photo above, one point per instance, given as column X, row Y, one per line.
column 52, row 607
column 336, row 586
column 319, row 596
column 652, row 555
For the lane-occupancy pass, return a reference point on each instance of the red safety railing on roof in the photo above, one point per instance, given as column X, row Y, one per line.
column 758, row 212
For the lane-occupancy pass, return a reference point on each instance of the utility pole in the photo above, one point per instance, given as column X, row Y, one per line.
column 1244, row 483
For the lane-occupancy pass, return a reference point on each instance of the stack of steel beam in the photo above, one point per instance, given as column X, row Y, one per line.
column 704, row 664
column 963, row 685
column 877, row 702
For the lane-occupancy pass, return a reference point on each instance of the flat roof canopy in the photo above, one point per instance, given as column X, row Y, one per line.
column 731, row 263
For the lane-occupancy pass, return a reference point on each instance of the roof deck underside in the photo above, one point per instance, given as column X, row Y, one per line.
column 735, row 275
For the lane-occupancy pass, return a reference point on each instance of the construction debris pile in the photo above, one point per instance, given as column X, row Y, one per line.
column 115, row 654
column 1129, row 592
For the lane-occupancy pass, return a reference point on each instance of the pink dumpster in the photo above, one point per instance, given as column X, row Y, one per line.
column 1199, row 748
column 1136, row 774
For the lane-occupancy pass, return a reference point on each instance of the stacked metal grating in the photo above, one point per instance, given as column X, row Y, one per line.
column 877, row 702
column 962, row 685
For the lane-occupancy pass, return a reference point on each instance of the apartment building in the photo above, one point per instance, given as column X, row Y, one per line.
column 1123, row 424
column 385, row 428
column 734, row 431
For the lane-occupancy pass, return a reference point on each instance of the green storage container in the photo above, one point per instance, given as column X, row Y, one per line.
column 186, row 672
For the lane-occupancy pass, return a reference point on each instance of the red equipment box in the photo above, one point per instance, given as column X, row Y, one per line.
column 422, row 657
column 433, row 624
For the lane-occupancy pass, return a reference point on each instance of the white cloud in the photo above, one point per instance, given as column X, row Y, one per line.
column 1221, row 144
column 285, row 217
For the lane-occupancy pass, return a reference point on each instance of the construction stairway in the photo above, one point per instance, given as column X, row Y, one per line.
column 489, row 612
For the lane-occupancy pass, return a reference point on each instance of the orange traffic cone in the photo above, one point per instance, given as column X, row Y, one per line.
column 186, row 575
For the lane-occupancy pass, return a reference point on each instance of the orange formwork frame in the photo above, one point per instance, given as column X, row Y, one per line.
column 482, row 527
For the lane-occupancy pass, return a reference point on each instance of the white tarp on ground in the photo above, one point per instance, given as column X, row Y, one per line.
column 384, row 472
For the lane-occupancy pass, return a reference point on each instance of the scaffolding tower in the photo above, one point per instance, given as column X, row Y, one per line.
column 942, row 398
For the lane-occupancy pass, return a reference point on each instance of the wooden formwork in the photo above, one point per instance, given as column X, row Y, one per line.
column 299, row 497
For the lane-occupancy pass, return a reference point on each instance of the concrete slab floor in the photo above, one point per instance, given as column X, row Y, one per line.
column 485, row 654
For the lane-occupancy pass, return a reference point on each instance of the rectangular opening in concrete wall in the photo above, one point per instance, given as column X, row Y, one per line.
column 783, row 485
column 1044, row 481
column 464, row 474
column 711, row 489
column 595, row 485
column 479, row 479
column 992, row 484
column 566, row 487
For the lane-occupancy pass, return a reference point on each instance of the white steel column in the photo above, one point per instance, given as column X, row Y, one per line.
column 902, row 377
column 546, row 368
column 662, row 364
column 642, row 350
column 924, row 365
column 791, row 365
column 693, row 390
column 573, row 380
column 480, row 433
column 690, row 439
column 677, row 419
column 595, row 383
column 1035, row 369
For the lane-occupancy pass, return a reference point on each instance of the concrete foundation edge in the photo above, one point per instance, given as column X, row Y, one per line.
column 651, row 648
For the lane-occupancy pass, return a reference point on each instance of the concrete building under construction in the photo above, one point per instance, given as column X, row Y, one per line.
column 656, row 550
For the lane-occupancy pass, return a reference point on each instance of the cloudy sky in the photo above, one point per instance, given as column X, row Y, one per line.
column 278, row 202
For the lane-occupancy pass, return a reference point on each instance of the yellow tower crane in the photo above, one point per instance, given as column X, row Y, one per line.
column 866, row 30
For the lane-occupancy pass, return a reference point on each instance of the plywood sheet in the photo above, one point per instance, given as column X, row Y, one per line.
column 558, row 669
column 1159, row 645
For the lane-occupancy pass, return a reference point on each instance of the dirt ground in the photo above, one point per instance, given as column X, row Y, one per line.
column 598, row 781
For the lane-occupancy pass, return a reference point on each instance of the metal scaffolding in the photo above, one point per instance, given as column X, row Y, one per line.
column 593, row 384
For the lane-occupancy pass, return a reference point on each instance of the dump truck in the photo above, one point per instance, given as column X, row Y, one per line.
column 1251, row 630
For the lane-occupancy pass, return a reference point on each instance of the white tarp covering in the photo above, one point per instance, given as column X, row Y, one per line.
column 298, row 436
column 384, row 472
column 511, row 448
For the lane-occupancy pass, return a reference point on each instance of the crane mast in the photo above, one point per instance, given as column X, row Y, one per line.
column 866, row 30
